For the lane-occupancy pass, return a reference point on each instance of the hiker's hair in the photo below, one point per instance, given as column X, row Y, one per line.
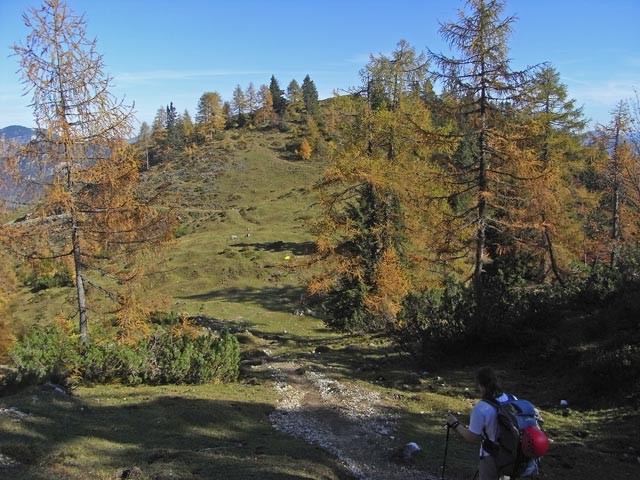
column 486, row 377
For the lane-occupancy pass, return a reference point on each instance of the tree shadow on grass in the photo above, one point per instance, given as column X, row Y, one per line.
column 165, row 436
column 296, row 248
column 275, row 299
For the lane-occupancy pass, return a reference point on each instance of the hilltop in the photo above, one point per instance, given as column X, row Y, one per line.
column 17, row 133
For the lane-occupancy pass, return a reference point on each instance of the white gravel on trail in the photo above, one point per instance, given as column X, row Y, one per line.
column 348, row 421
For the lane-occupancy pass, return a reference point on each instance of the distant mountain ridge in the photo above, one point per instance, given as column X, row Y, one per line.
column 17, row 132
column 23, row 134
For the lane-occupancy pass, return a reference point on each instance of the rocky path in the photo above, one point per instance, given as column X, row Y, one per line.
column 352, row 423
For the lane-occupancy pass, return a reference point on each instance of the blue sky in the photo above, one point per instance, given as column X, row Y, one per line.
column 161, row 51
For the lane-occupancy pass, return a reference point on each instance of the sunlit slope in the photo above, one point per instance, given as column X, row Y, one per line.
column 245, row 205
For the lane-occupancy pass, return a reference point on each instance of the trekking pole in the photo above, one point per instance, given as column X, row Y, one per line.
column 446, row 448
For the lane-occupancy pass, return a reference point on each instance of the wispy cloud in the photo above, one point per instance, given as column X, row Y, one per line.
column 360, row 59
column 180, row 75
column 602, row 93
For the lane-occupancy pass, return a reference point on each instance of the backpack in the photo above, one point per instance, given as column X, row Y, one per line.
column 519, row 442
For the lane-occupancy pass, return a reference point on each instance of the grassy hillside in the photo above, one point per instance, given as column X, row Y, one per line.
column 245, row 205
column 245, row 212
column 245, row 208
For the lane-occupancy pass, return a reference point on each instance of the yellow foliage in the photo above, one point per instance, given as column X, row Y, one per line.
column 391, row 287
column 64, row 323
column 8, row 284
column 132, row 320
column 305, row 150
column 6, row 336
column 184, row 327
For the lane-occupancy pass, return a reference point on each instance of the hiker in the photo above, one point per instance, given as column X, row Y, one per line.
column 484, row 421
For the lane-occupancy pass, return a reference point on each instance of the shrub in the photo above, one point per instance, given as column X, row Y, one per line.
column 511, row 316
column 607, row 370
column 225, row 359
column 165, row 318
column 432, row 320
column 187, row 359
column 173, row 358
column 51, row 281
column 112, row 361
column 42, row 274
column 182, row 230
column 50, row 354
column 346, row 309
column 45, row 354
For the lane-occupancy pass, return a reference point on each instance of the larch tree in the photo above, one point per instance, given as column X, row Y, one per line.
column 89, row 212
column 294, row 97
column 481, row 90
column 618, row 168
column 305, row 150
column 251, row 94
column 186, row 128
column 376, row 196
column 8, row 288
column 239, row 104
column 144, row 142
column 632, row 171
column 265, row 113
column 159, row 126
column 554, row 132
column 210, row 117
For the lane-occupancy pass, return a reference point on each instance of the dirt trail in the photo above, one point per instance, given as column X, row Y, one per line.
column 352, row 423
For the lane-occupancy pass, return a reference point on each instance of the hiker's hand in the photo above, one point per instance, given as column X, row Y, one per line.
column 451, row 419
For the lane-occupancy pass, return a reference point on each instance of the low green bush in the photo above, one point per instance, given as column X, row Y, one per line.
column 114, row 362
column 50, row 354
column 610, row 370
column 45, row 354
column 432, row 320
column 46, row 274
column 182, row 230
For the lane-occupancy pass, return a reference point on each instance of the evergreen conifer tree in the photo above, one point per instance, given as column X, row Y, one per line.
column 277, row 97
column 310, row 96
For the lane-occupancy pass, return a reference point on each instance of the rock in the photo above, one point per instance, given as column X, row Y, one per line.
column 246, row 338
column 8, row 462
column 251, row 362
column 12, row 412
column 322, row 349
column 409, row 450
column 52, row 387
column 132, row 473
column 411, row 379
column 255, row 354
column 406, row 453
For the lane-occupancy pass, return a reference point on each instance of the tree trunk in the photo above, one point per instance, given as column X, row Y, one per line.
column 81, row 294
column 552, row 257
column 481, row 229
column 615, row 214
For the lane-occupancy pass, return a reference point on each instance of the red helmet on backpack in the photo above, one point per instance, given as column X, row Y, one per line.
column 534, row 442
